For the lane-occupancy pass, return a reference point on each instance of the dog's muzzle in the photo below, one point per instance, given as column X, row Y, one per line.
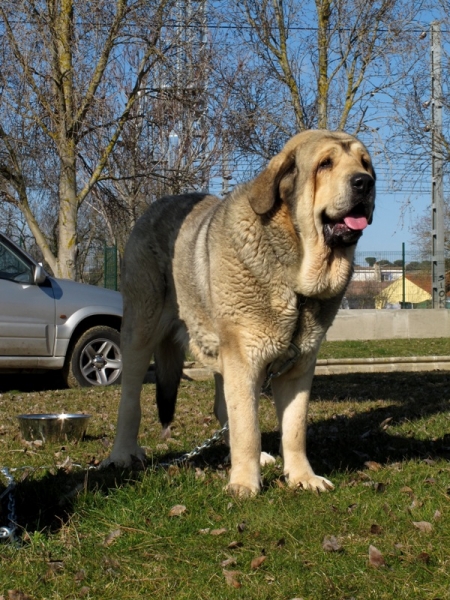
column 347, row 230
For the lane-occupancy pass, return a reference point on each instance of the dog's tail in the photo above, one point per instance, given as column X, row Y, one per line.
column 169, row 359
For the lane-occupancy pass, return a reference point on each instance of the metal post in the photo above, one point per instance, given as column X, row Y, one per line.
column 437, row 189
column 403, row 276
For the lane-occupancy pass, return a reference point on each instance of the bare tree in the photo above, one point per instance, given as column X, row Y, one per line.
column 412, row 128
column 327, row 64
column 71, row 74
column 171, row 142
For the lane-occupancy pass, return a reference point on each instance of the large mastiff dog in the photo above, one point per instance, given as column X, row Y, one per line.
column 250, row 283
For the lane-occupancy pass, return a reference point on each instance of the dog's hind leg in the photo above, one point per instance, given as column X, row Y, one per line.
column 169, row 358
column 138, row 338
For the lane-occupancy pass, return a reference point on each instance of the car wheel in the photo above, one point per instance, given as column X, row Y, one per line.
column 94, row 359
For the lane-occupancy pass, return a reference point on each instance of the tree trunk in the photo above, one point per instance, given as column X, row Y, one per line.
column 67, row 226
column 323, row 19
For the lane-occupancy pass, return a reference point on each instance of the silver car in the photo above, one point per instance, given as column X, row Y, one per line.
column 48, row 323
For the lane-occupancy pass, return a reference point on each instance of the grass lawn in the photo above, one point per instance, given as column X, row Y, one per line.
column 383, row 533
column 386, row 348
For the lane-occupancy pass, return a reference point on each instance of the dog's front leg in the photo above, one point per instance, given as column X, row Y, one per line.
column 241, row 396
column 291, row 394
column 220, row 410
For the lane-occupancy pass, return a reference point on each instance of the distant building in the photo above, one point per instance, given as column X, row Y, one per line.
column 377, row 273
column 417, row 293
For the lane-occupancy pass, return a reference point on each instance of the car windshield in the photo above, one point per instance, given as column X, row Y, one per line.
column 13, row 267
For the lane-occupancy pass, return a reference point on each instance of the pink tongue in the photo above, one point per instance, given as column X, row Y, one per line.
column 356, row 223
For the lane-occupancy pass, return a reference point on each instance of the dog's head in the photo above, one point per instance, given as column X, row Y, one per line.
column 327, row 180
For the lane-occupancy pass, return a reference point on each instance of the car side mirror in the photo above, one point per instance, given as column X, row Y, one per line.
column 39, row 275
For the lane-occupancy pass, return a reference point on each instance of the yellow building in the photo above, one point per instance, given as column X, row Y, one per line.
column 417, row 291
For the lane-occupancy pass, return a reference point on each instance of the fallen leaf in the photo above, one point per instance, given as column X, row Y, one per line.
column 241, row 527
column 18, row 595
column 177, row 510
column 437, row 515
column 257, row 562
column 423, row 526
column 424, row 557
column 406, row 490
column 375, row 529
column 173, row 470
column 385, row 423
column 231, row 578
column 372, row 465
column 375, row 557
column 218, row 531
column 204, row 531
column 67, row 464
column 84, row 591
column 199, row 473
column 110, row 563
column 331, row 544
column 55, row 565
column 111, row 537
column 228, row 562
column 235, row 544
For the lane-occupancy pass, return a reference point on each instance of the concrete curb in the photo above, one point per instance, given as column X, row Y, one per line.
column 382, row 365
column 331, row 366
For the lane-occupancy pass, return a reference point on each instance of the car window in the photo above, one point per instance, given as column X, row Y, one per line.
column 13, row 267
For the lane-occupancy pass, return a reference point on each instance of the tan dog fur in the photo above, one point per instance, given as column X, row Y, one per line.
column 238, row 280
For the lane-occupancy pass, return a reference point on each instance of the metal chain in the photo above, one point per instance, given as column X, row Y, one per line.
column 198, row 449
column 8, row 533
column 290, row 362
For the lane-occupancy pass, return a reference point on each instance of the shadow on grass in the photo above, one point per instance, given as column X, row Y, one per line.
column 31, row 382
column 341, row 442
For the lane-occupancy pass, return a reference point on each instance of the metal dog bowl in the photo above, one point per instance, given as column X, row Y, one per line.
column 53, row 427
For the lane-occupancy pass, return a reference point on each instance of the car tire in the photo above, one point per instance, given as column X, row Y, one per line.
column 94, row 359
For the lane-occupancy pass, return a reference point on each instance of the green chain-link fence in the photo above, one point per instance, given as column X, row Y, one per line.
column 381, row 279
column 111, row 268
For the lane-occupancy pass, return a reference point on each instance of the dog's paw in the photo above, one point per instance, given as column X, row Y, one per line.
column 313, row 483
column 266, row 459
column 125, row 460
column 241, row 491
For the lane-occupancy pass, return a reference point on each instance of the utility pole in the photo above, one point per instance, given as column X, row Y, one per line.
column 192, row 78
column 437, row 188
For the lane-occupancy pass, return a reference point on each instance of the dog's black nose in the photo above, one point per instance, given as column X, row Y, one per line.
column 362, row 183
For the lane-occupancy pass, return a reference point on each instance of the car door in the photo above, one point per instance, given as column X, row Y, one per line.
column 27, row 310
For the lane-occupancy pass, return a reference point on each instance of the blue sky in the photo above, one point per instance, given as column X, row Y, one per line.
column 394, row 219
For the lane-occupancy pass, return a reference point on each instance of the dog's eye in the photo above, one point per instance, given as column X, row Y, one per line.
column 326, row 163
column 365, row 163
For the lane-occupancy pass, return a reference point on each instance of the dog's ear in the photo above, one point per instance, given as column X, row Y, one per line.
column 276, row 181
column 373, row 208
